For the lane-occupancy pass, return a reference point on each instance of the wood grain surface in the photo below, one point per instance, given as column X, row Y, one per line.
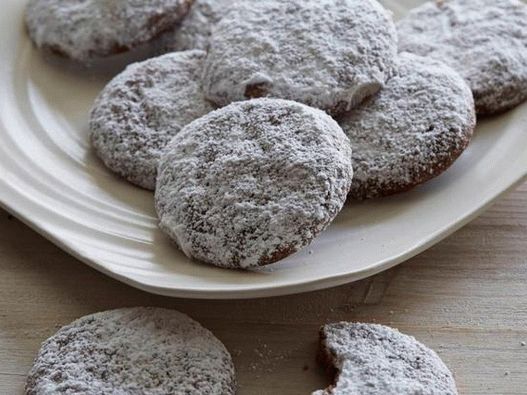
column 466, row 298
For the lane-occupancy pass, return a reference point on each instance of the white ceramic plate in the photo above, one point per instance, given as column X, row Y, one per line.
column 50, row 179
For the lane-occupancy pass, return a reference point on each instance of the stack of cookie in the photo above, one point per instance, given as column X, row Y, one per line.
column 270, row 114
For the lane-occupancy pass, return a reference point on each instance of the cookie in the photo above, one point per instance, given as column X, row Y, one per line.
column 369, row 359
column 140, row 110
column 195, row 30
column 84, row 30
column 133, row 351
column 412, row 131
column 328, row 54
column 253, row 182
column 484, row 40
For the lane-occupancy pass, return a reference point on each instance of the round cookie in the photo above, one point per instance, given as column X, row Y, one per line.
column 412, row 131
column 195, row 30
column 253, row 182
column 140, row 110
column 484, row 40
column 328, row 54
column 133, row 351
column 84, row 30
column 371, row 359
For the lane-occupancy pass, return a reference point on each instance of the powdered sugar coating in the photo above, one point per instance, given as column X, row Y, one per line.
column 375, row 359
column 484, row 40
column 253, row 182
column 329, row 54
column 195, row 30
column 133, row 351
column 140, row 110
column 88, row 29
column 413, row 130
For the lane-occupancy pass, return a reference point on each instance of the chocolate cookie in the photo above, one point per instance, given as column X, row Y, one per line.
column 195, row 30
column 484, row 40
column 253, row 182
column 133, row 351
column 329, row 54
column 412, row 131
column 84, row 30
column 369, row 359
column 140, row 110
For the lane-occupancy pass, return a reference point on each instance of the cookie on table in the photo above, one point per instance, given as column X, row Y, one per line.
column 140, row 110
column 484, row 40
column 84, row 30
column 195, row 30
column 133, row 351
column 253, row 182
column 328, row 54
column 412, row 131
column 369, row 359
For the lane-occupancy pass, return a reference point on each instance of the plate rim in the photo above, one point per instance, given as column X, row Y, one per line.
column 256, row 291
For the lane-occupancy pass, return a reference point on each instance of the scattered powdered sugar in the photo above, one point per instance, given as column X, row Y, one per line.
column 374, row 359
column 139, row 112
column 267, row 358
column 329, row 54
column 195, row 30
column 133, row 351
column 253, row 182
column 484, row 40
column 88, row 29
column 413, row 130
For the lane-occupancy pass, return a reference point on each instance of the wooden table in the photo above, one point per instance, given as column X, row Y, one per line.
column 465, row 297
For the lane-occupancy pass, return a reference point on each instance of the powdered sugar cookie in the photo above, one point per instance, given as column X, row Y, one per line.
column 484, row 40
column 253, row 182
column 87, row 29
column 133, row 351
column 413, row 130
column 195, row 30
column 329, row 54
column 140, row 110
column 369, row 359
